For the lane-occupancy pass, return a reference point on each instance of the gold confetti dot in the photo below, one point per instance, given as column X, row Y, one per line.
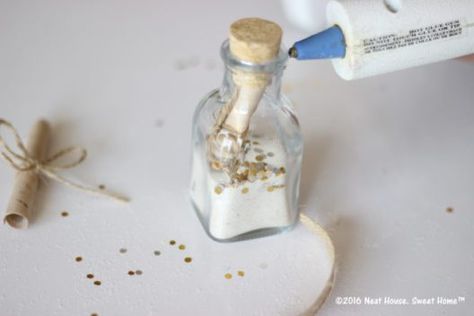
column 216, row 165
column 270, row 188
column 122, row 250
column 102, row 187
column 78, row 259
column 139, row 272
column 182, row 247
column 172, row 242
column 188, row 259
column 97, row 283
column 245, row 190
column 94, row 314
column 64, row 214
column 260, row 157
column 280, row 171
column 90, row 276
column 218, row 189
column 131, row 272
column 228, row 276
column 157, row 252
column 240, row 273
column 449, row 209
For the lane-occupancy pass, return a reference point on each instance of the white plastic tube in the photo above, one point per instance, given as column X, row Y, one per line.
column 388, row 35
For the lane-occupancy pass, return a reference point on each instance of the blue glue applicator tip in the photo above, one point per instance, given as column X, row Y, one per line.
column 329, row 43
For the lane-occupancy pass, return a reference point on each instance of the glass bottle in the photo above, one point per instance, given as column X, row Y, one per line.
column 256, row 193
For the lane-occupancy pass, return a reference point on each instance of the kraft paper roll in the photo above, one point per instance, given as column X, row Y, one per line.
column 20, row 206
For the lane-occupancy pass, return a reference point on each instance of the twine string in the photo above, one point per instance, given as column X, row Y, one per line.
column 21, row 160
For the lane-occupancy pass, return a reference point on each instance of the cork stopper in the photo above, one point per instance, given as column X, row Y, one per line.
column 255, row 40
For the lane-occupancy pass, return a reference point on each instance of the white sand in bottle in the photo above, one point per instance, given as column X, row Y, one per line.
column 258, row 201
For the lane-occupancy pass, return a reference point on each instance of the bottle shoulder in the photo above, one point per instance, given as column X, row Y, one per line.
column 276, row 113
column 215, row 99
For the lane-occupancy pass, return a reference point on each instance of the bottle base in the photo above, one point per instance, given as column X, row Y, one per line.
column 258, row 233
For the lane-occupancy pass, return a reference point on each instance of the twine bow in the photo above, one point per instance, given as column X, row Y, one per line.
column 23, row 161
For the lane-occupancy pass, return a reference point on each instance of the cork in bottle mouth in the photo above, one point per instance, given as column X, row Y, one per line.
column 255, row 40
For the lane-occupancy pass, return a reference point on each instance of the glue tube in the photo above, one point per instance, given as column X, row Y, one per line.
column 370, row 37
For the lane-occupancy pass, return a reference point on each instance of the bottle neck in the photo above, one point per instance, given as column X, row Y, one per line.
column 239, row 73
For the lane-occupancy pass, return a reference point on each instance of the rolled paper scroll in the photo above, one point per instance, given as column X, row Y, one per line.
column 255, row 41
column 20, row 206
column 252, row 41
column 31, row 163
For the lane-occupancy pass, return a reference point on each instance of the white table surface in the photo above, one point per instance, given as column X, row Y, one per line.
column 384, row 158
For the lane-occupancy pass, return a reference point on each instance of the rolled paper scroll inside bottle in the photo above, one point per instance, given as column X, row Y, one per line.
column 20, row 206
column 256, row 42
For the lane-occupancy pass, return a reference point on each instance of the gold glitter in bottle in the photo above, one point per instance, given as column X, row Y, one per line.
column 78, row 259
column 188, row 259
column 260, row 157
column 182, row 247
column 64, row 214
column 282, row 170
column 228, row 276
column 218, row 189
column 241, row 273
column 172, row 242
column 216, row 165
